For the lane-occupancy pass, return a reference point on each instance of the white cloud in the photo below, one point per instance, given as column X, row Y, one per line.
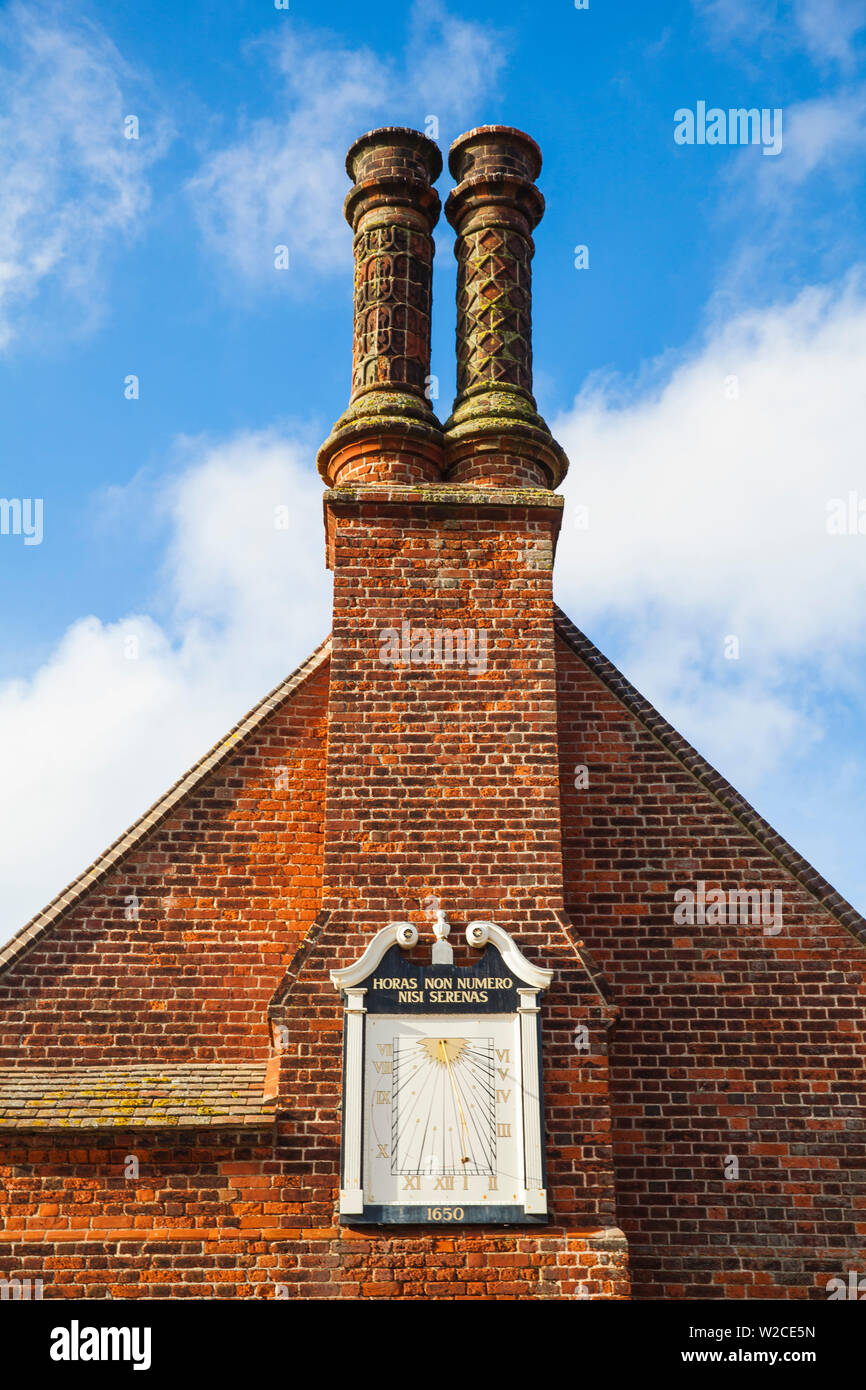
column 72, row 184
column 453, row 64
column 99, row 733
column 282, row 180
column 800, row 209
column 708, row 498
column 825, row 134
column 826, row 30
column 803, row 206
column 738, row 21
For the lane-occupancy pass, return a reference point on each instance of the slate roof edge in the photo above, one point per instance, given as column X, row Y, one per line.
column 68, row 897
column 133, row 1123
column 131, row 1096
column 710, row 779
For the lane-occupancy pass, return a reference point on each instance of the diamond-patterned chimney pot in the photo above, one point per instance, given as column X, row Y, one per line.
column 495, row 435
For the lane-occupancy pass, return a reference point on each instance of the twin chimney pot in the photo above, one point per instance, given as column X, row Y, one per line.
column 389, row 433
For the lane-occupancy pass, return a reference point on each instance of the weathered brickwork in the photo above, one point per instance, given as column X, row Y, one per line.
column 442, row 755
column 392, row 209
column 219, row 1217
column 389, row 430
column 237, row 1214
column 495, row 435
column 443, row 783
column 728, row 1042
column 732, row 1041
column 240, row 1214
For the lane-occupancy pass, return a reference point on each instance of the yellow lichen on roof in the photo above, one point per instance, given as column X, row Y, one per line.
column 133, row 1096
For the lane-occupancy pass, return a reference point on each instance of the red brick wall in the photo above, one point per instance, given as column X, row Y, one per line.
column 441, row 780
column 728, row 1044
column 226, row 885
column 219, row 1217
column 240, row 1214
column 731, row 1041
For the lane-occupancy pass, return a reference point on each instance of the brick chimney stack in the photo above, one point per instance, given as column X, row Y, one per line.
column 442, row 773
column 389, row 432
column 495, row 436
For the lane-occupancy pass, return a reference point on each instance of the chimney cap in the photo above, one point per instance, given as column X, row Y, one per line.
column 505, row 134
column 397, row 135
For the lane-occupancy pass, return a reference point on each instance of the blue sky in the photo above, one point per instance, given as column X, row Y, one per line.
column 705, row 372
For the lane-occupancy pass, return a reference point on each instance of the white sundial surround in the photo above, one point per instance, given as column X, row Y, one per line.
column 442, row 1097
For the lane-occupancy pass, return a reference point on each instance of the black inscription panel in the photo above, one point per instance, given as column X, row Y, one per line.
column 396, row 986
column 445, row 1215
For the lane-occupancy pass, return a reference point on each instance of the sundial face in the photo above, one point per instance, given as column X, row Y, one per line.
column 444, row 1118
column 442, row 1110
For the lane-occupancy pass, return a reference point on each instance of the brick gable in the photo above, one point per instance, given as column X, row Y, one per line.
column 720, row 1045
column 730, row 1042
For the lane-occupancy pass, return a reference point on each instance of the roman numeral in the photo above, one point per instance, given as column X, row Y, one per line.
column 446, row 1183
column 384, row 1049
column 503, row 1074
column 503, row 1131
column 504, row 1054
column 492, row 1184
column 412, row 1184
column 382, row 1097
column 383, row 1151
column 502, row 1097
column 383, row 1068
